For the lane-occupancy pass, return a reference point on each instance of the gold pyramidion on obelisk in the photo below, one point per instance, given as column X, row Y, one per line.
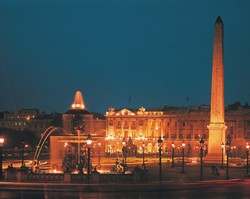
column 217, row 125
column 78, row 103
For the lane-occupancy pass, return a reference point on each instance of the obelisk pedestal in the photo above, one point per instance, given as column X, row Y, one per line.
column 216, row 138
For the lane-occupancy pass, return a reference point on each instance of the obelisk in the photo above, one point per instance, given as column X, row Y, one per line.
column 217, row 125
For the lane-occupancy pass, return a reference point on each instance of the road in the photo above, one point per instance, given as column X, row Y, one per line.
column 206, row 189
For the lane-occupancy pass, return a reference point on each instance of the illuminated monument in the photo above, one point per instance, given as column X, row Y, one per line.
column 217, row 125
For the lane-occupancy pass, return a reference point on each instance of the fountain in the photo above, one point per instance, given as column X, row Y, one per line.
column 77, row 124
column 45, row 136
column 43, row 139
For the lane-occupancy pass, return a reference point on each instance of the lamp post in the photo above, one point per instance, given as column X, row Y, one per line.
column 189, row 150
column 1, row 160
column 99, row 153
column 183, row 150
column 22, row 154
column 143, row 154
column 78, row 147
column 89, row 142
column 201, row 157
column 124, row 152
column 160, row 145
column 247, row 150
column 227, row 150
column 173, row 147
column 222, row 155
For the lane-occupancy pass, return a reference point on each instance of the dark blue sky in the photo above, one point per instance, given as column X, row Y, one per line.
column 157, row 51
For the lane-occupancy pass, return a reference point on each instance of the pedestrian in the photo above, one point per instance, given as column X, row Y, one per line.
column 217, row 170
column 213, row 168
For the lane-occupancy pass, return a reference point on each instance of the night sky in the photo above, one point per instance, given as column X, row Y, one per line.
column 153, row 52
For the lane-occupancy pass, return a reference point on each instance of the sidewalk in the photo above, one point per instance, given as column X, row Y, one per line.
column 192, row 173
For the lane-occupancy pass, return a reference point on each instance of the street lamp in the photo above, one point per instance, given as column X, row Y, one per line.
column 247, row 148
column 160, row 145
column 99, row 153
column 1, row 160
column 124, row 152
column 201, row 156
column 189, row 149
column 143, row 154
column 234, row 147
column 183, row 150
column 173, row 147
column 123, row 142
column 227, row 150
column 89, row 142
column 222, row 150
column 22, row 154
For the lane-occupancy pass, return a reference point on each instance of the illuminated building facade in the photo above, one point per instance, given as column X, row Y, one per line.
column 145, row 126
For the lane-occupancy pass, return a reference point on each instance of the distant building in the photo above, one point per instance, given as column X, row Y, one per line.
column 173, row 125
column 26, row 120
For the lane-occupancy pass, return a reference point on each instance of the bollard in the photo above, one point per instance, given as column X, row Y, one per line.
column 95, row 176
column 66, row 177
column 19, row 176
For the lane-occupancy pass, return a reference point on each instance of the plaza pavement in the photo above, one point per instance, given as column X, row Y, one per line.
column 192, row 171
column 173, row 174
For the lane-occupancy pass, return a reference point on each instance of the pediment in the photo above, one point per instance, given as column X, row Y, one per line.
column 125, row 112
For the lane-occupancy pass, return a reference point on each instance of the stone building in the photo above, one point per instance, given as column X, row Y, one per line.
column 143, row 127
column 26, row 120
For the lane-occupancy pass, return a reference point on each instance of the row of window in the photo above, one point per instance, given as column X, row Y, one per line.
column 231, row 124
column 18, row 117
column 24, row 124
column 140, row 123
